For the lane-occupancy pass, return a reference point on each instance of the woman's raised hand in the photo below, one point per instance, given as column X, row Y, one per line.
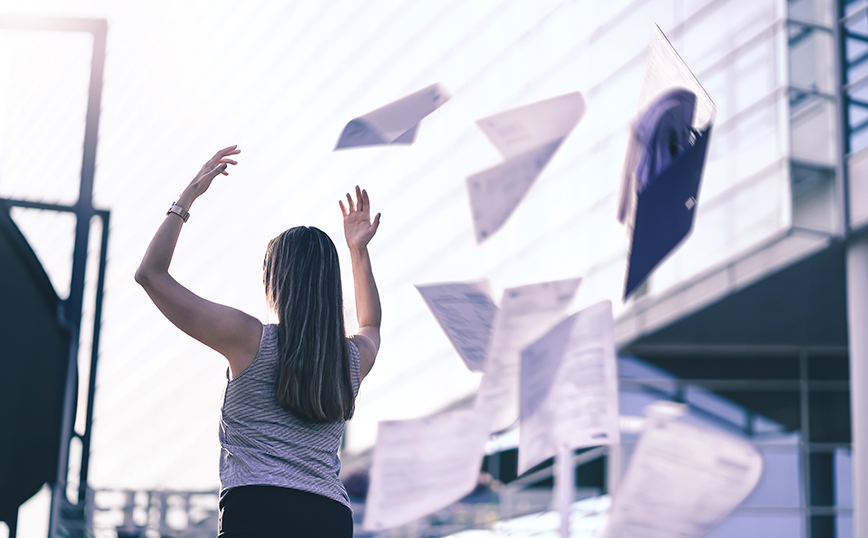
column 216, row 165
column 358, row 227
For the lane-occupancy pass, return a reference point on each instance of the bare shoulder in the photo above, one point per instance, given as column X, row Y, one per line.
column 249, row 338
column 367, row 351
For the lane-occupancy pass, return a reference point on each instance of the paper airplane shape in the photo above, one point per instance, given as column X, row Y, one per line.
column 466, row 314
column 527, row 137
column 422, row 465
column 665, row 157
column 569, row 387
column 683, row 480
column 395, row 123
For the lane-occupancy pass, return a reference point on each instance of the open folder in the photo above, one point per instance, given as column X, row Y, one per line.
column 665, row 157
column 395, row 123
column 665, row 212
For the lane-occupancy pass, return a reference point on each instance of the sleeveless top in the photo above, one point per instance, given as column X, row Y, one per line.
column 263, row 444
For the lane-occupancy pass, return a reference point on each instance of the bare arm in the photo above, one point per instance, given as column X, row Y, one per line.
column 359, row 230
column 230, row 332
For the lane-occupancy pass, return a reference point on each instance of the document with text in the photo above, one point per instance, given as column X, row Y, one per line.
column 569, row 387
column 422, row 465
column 526, row 313
column 682, row 481
column 465, row 312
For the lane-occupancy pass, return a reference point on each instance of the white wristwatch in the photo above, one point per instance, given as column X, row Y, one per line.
column 178, row 210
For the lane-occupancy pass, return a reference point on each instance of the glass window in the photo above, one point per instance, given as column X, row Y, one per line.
column 813, row 130
column 720, row 28
column 754, row 140
column 818, row 11
column 753, row 72
column 760, row 525
column 780, row 484
column 760, row 208
column 813, row 190
column 843, row 477
column 811, row 50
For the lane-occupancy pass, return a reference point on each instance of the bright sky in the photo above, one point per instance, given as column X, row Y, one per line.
column 281, row 79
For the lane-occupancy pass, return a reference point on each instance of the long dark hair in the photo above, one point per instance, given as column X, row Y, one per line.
column 302, row 279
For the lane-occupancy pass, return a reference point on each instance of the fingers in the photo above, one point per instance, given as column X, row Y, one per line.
column 221, row 169
column 365, row 197
column 231, row 150
column 219, row 157
column 376, row 223
column 362, row 202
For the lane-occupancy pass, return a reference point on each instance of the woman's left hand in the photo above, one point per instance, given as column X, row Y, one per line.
column 358, row 228
column 211, row 169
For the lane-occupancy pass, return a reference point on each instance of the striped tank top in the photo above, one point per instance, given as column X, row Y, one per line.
column 263, row 444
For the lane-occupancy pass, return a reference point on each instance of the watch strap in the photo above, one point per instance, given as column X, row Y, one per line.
column 178, row 210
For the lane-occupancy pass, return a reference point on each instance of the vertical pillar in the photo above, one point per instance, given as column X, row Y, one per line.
column 12, row 525
column 614, row 464
column 565, row 481
column 857, row 321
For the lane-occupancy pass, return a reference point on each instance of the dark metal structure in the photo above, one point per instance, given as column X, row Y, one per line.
column 35, row 344
column 65, row 512
column 853, row 52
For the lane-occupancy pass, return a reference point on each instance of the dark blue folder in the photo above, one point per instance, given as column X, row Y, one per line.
column 664, row 212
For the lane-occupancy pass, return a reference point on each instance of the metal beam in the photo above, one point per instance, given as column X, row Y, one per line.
column 858, row 37
column 84, row 213
column 725, row 351
column 94, row 358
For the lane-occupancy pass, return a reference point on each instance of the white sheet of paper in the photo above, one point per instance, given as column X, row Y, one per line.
column 526, row 313
column 682, row 482
column 664, row 71
column 527, row 128
column 422, row 465
column 528, row 138
column 395, row 123
column 569, row 387
column 496, row 192
column 465, row 312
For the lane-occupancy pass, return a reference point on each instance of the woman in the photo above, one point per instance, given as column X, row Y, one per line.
column 291, row 386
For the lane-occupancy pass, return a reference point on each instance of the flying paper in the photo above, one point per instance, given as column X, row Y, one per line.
column 682, row 481
column 526, row 313
column 466, row 312
column 395, row 123
column 665, row 156
column 569, row 387
column 422, row 465
column 527, row 137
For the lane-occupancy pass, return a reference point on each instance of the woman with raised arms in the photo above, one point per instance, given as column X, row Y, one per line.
column 291, row 386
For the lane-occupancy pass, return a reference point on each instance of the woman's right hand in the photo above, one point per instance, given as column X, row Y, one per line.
column 358, row 228
column 216, row 165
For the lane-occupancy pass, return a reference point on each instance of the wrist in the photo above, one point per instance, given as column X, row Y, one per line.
column 186, row 199
column 358, row 250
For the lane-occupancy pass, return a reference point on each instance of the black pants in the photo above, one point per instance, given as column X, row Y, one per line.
column 265, row 511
